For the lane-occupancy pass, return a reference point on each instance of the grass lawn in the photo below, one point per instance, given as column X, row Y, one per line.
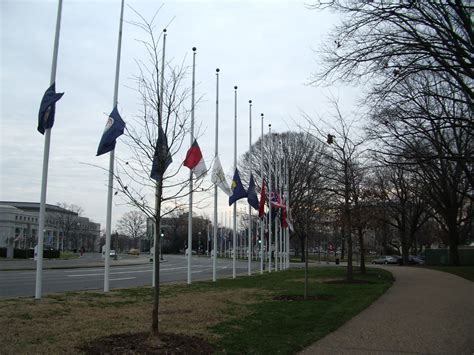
column 236, row 316
column 466, row 272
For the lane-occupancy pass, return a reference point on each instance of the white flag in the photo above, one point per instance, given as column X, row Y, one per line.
column 218, row 177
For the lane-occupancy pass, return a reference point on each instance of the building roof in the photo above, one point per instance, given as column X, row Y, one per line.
column 35, row 206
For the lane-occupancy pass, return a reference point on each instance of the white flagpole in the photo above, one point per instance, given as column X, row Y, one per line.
column 287, row 213
column 108, row 226
column 44, row 179
column 234, row 242
column 160, row 122
column 269, row 200
column 190, row 214
column 214, row 244
column 277, row 235
column 249, row 242
column 280, row 188
column 262, row 225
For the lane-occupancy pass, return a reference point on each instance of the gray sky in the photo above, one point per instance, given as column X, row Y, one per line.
column 266, row 48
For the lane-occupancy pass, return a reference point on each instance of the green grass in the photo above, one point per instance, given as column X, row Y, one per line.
column 238, row 316
column 66, row 255
column 286, row 327
column 466, row 272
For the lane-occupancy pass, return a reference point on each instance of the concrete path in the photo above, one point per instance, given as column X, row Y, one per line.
column 424, row 312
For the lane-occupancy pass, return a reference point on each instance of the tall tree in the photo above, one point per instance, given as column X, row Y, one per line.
column 133, row 225
column 389, row 41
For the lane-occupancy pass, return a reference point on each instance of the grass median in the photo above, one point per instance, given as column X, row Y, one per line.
column 245, row 315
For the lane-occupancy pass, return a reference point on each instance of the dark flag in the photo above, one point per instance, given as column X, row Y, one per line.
column 113, row 129
column 162, row 157
column 263, row 200
column 237, row 188
column 251, row 194
column 48, row 108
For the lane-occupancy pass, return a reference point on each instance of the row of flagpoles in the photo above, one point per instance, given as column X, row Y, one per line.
column 194, row 161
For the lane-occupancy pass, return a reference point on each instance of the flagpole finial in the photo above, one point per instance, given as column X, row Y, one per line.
column 218, row 70
column 261, row 115
column 269, row 125
column 164, row 30
column 235, row 87
column 194, row 49
column 250, row 101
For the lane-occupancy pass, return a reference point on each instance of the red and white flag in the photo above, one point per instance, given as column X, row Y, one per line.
column 195, row 161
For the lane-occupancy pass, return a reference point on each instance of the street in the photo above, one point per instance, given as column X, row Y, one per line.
column 18, row 283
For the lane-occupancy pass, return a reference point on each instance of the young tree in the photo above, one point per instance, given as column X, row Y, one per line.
column 153, row 137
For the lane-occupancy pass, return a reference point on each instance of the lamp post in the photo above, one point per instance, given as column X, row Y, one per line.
column 199, row 242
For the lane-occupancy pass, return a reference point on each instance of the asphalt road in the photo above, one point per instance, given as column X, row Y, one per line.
column 17, row 283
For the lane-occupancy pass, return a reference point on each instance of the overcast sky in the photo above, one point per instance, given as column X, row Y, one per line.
column 266, row 48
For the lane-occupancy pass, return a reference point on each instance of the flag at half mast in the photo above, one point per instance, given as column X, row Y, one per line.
column 218, row 177
column 162, row 157
column 237, row 188
column 48, row 108
column 113, row 129
column 251, row 194
column 195, row 161
column 263, row 201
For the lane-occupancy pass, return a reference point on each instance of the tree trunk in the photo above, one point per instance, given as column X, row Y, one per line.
column 156, row 258
column 306, row 267
column 361, row 250
column 453, row 246
column 303, row 248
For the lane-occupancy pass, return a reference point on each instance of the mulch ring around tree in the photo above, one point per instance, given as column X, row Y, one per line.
column 143, row 343
column 291, row 298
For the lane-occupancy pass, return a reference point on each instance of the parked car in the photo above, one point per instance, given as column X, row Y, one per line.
column 415, row 260
column 113, row 252
column 385, row 259
column 134, row 252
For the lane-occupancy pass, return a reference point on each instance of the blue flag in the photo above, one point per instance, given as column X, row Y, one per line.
column 113, row 129
column 162, row 157
column 237, row 188
column 48, row 108
column 252, row 195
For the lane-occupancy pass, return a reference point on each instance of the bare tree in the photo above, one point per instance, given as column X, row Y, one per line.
column 345, row 166
column 67, row 220
column 133, row 225
column 389, row 41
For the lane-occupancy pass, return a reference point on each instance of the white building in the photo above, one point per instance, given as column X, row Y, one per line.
column 19, row 223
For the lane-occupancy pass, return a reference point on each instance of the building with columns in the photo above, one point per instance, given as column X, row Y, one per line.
column 64, row 229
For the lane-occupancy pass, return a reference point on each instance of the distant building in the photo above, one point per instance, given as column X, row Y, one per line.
column 64, row 229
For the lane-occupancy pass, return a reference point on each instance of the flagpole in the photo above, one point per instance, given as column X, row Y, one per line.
column 262, row 225
column 270, row 201
column 249, row 249
column 234, row 241
column 160, row 123
column 287, row 212
column 108, row 226
column 214, row 244
column 190, row 213
column 276, row 213
column 44, row 178
column 280, row 185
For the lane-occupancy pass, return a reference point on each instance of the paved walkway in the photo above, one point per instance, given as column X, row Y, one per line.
column 424, row 312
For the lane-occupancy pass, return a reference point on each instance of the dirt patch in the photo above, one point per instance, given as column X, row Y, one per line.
column 301, row 298
column 144, row 343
